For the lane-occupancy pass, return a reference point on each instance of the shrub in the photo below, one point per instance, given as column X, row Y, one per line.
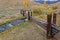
column 38, row 10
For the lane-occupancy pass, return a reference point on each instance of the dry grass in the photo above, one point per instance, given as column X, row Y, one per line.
column 8, row 13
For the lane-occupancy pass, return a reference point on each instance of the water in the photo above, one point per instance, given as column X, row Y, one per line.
column 11, row 24
column 48, row 2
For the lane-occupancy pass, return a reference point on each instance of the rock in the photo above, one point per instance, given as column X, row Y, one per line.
column 26, row 19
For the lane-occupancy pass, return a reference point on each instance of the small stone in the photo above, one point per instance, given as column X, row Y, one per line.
column 26, row 19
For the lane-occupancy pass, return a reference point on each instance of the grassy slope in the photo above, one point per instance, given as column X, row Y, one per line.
column 8, row 13
column 9, row 10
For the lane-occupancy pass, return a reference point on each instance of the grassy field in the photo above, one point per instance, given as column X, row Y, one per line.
column 9, row 13
column 26, row 31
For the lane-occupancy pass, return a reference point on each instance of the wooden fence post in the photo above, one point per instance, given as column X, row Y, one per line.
column 49, row 27
column 31, row 13
column 23, row 12
column 31, row 16
column 28, row 15
column 54, row 18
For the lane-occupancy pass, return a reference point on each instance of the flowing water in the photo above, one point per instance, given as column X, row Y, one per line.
column 6, row 26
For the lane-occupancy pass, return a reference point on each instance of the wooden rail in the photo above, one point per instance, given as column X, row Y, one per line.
column 55, row 28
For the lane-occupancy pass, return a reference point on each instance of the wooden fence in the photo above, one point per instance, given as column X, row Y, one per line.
column 51, row 29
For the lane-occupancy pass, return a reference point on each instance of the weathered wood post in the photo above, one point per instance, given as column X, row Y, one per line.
column 31, row 13
column 23, row 12
column 54, row 18
column 28, row 15
column 49, row 27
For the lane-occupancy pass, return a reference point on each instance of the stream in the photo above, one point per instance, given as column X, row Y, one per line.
column 7, row 26
column 47, row 1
